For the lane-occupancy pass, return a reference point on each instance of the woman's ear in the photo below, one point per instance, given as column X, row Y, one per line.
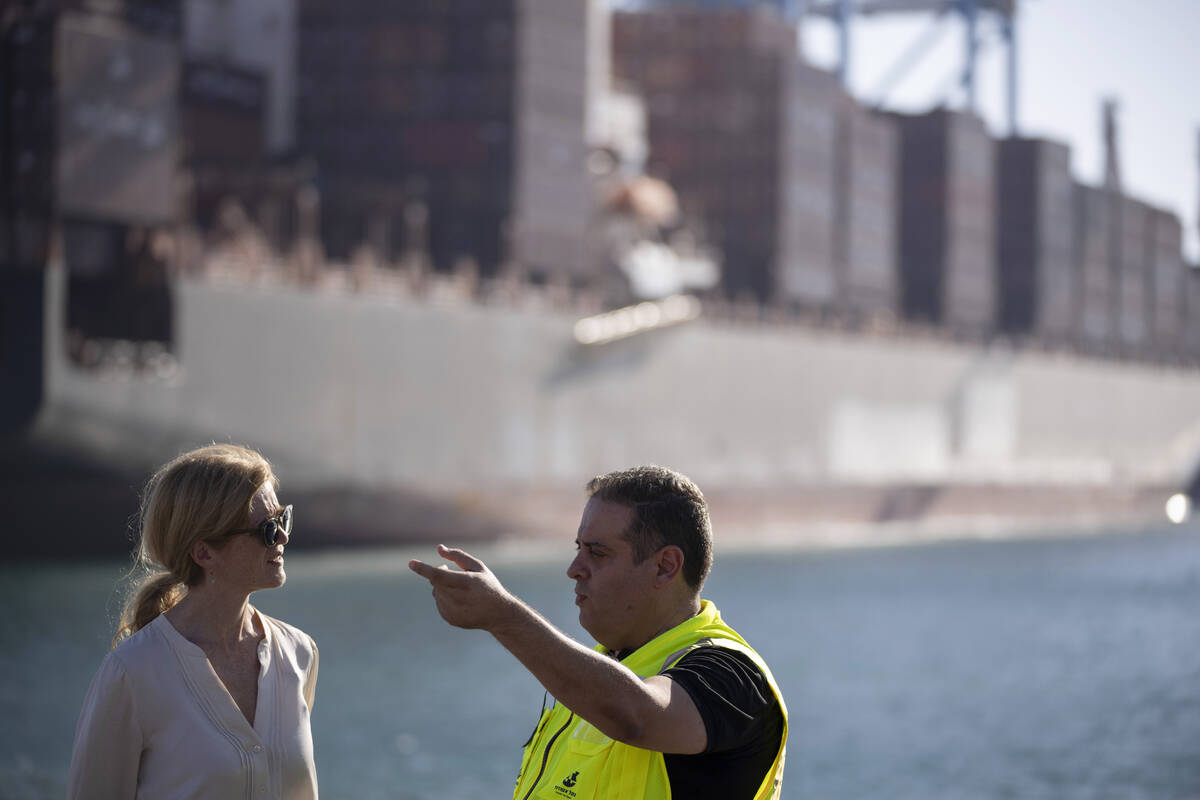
column 670, row 564
column 203, row 554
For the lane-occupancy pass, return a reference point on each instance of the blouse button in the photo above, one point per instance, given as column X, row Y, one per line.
column 258, row 748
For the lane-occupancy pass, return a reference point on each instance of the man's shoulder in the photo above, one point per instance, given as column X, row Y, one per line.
column 731, row 691
column 719, row 656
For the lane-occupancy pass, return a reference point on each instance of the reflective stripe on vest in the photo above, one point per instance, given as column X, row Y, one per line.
column 569, row 759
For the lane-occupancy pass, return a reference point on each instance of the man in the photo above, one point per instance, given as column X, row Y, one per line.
column 672, row 702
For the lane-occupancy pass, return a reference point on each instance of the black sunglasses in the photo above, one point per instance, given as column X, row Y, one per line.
column 270, row 529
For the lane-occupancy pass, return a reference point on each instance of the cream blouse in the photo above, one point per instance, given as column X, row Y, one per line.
column 158, row 724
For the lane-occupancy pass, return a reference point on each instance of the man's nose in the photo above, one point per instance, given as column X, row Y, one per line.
column 575, row 569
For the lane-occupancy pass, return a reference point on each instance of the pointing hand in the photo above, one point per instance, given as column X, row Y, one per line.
column 468, row 597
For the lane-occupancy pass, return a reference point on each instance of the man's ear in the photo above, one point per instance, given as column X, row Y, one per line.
column 670, row 564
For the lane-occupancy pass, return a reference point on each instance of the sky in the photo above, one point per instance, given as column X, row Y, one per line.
column 1072, row 55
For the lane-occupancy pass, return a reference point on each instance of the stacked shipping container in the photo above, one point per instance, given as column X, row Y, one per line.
column 26, row 204
column 795, row 182
column 947, row 222
column 258, row 36
column 551, row 201
column 477, row 109
column 1094, row 222
column 27, row 165
column 1132, row 291
column 1167, row 281
column 811, row 176
column 56, row 88
column 388, row 118
column 1133, row 277
column 474, row 108
column 1036, row 277
column 222, row 109
column 989, row 236
column 714, row 85
column 868, row 191
column 88, row 146
column 1191, row 302
column 89, row 101
column 222, row 112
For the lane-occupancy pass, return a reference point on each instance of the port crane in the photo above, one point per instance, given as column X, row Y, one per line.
column 841, row 13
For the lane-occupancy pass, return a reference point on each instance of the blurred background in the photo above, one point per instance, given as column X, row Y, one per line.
column 872, row 272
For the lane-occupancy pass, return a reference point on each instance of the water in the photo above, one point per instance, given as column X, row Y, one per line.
column 1032, row 669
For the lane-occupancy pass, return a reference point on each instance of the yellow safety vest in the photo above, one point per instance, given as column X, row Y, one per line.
column 569, row 759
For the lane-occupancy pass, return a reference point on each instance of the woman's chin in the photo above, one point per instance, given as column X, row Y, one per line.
column 275, row 578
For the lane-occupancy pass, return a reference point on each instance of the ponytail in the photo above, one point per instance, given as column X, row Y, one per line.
column 153, row 595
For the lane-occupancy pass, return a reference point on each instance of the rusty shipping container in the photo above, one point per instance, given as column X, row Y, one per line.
column 947, row 220
column 1036, row 265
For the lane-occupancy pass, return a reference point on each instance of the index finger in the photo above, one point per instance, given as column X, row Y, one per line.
column 426, row 571
column 435, row 575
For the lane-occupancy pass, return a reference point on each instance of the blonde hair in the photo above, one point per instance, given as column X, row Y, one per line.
column 196, row 497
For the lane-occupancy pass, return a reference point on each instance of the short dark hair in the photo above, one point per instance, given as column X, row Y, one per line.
column 668, row 509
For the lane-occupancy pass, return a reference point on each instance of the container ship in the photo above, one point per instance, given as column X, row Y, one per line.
column 445, row 261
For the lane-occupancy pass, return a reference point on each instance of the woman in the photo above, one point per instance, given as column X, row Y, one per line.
column 203, row 696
